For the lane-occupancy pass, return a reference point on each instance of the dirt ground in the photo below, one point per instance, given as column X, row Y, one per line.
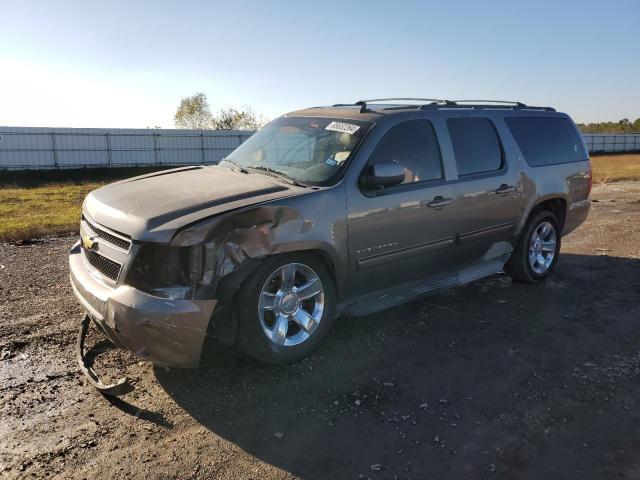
column 494, row 380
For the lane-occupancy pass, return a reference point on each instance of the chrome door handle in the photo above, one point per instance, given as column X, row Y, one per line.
column 439, row 202
column 504, row 189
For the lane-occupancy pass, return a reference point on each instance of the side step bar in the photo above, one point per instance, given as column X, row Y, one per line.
column 121, row 387
column 378, row 301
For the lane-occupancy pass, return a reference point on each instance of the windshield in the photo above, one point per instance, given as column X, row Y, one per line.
column 308, row 150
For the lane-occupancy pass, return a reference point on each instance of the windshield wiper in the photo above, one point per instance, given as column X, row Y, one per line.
column 239, row 167
column 278, row 174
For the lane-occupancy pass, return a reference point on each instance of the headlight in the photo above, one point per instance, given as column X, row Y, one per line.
column 171, row 272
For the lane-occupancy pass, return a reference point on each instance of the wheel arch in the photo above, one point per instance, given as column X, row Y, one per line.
column 224, row 322
column 556, row 204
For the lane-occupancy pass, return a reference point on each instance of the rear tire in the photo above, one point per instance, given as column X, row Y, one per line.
column 536, row 254
column 285, row 309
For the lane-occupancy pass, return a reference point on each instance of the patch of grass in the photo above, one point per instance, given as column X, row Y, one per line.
column 612, row 168
column 39, row 203
column 34, row 212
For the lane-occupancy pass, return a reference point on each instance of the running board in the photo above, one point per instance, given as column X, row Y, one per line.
column 375, row 302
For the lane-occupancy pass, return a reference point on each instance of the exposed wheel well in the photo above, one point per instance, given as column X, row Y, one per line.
column 557, row 206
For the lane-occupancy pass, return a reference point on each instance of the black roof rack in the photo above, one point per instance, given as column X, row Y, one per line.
column 442, row 103
column 498, row 104
column 502, row 102
column 431, row 101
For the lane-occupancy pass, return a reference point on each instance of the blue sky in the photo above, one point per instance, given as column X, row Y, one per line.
column 128, row 63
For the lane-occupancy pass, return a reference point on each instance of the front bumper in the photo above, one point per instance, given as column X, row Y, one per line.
column 163, row 331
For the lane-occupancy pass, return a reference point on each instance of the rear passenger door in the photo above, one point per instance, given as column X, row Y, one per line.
column 486, row 196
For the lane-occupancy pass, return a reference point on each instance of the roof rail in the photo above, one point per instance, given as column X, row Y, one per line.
column 430, row 103
column 504, row 102
column 495, row 104
column 363, row 103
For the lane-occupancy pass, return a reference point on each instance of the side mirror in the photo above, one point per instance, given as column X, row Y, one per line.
column 383, row 175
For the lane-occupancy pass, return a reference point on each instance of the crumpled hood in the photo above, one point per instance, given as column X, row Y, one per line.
column 152, row 207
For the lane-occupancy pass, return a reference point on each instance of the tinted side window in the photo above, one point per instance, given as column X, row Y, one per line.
column 547, row 140
column 413, row 145
column 475, row 145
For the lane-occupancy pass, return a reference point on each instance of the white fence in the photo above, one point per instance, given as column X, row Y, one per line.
column 620, row 142
column 23, row 148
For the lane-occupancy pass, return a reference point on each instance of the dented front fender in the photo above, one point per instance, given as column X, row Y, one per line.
column 314, row 222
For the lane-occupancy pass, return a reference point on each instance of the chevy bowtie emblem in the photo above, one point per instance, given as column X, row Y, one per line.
column 89, row 242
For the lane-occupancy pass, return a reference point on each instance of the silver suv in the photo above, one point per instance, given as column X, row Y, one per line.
column 348, row 209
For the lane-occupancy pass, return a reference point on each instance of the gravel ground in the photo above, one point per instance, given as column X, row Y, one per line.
column 494, row 380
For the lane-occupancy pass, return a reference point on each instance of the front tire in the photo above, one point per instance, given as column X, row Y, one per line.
column 537, row 251
column 285, row 309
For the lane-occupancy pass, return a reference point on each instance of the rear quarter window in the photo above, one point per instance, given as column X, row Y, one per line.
column 547, row 140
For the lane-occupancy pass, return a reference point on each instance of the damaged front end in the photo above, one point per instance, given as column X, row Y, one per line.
column 161, row 305
column 120, row 387
column 232, row 246
column 166, row 331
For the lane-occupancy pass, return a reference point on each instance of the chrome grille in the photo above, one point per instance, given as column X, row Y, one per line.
column 105, row 266
column 108, row 237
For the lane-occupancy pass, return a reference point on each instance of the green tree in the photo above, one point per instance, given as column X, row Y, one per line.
column 193, row 112
column 623, row 126
column 243, row 119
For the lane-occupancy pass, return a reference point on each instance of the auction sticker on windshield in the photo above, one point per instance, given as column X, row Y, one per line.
column 342, row 127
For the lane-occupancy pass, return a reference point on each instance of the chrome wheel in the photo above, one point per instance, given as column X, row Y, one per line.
column 542, row 248
column 291, row 304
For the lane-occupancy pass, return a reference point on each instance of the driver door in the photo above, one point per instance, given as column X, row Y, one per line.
column 402, row 232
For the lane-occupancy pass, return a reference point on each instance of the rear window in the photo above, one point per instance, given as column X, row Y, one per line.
column 475, row 145
column 547, row 140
